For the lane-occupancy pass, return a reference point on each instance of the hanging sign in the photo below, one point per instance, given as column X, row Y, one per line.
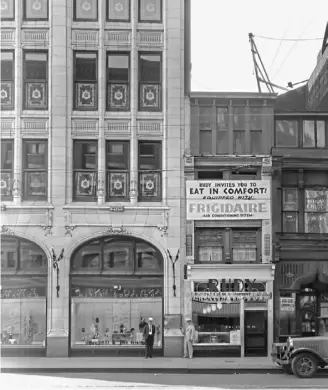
column 287, row 304
column 209, row 297
column 228, row 199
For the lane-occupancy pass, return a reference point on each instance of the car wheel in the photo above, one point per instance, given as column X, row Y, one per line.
column 287, row 368
column 304, row 365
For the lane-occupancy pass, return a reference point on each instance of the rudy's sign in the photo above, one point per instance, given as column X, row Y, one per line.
column 228, row 199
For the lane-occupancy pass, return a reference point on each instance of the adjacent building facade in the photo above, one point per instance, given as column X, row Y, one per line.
column 299, row 187
column 229, row 273
column 93, row 97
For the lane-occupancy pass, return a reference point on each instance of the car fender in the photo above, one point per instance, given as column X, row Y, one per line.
column 297, row 351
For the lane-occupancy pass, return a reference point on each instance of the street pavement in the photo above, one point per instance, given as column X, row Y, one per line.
column 159, row 382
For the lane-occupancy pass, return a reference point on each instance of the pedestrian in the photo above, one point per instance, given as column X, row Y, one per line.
column 148, row 336
column 189, row 336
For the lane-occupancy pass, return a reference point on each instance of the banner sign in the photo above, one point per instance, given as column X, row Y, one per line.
column 287, row 304
column 214, row 297
column 228, row 199
column 16, row 293
column 91, row 292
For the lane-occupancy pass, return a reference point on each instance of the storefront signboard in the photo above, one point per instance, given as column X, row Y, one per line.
column 90, row 292
column 15, row 293
column 228, row 199
column 287, row 304
column 235, row 337
column 210, row 297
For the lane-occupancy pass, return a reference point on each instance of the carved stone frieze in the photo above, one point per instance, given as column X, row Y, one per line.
column 85, row 128
column 7, row 128
column 6, row 231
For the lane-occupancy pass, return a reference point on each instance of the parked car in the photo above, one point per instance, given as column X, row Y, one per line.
column 302, row 356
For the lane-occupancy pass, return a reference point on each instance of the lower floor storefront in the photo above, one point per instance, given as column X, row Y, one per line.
column 301, row 304
column 110, row 289
column 231, row 307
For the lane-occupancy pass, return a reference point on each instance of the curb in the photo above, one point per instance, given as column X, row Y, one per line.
column 146, row 370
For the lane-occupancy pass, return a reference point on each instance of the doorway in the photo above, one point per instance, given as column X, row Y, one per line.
column 256, row 333
column 308, row 306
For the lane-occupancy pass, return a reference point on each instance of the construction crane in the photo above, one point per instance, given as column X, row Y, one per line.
column 261, row 74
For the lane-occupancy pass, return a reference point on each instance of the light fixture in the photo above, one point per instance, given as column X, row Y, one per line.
column 213, row 307
column 219, row 305
column 208, row 309
column 204, row 310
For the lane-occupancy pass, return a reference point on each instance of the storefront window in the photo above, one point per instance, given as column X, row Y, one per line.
column 107, row 309
column 287, row 314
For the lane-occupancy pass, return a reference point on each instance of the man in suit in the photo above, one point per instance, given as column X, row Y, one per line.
column 189, row 336
column 148, row 335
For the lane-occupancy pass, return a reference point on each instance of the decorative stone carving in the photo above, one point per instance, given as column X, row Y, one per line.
column 150, row 39
column 164, row 228
column 35, row 126
column 150, row 128
column 86, row 96
column 69, row 230
column 118, row 97
column 16, row 188
column 118, row 38
column 85, row 128
column 36, row 96
column 133, row 188
column 117, row 127
column 150, row 97
column 47, row 228
column 35, row 37
column 84, row 39
column 7, row 95
column 101, row 185
column 6, row 231
column 7, row 127
column 116, row 230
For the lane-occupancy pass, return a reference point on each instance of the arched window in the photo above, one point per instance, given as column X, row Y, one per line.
column 18, row 254
column 117, row 255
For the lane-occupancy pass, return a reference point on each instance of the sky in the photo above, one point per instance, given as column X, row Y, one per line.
column 220, row 51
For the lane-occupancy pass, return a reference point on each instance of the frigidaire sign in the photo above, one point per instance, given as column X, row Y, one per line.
column 228, row 199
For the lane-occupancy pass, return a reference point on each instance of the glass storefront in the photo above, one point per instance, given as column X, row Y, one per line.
column 23, row 295
column 115, row 283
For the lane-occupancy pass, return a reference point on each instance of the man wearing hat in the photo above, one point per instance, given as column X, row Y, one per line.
column 148, row 335
column 189, row 336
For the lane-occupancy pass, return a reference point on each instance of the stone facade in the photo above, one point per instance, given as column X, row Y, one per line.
column 58, row 222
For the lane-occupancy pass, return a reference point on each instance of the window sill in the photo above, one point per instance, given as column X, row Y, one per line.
column 119, row 25
column 29, row 205
column 85, row 113
column 29, row 113
column 85, row 24
column 147, row 25
column 35, row 23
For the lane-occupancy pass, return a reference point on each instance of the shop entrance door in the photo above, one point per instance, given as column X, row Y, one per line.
column 256, row 333
column 308, row 314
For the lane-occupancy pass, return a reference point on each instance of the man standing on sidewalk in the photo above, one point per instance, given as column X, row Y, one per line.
column 189, row 336
column 148, row 335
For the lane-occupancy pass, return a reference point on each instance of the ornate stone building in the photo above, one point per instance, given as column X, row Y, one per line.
column 93, row 96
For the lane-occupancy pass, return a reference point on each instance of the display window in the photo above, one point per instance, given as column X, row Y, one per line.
column 110, row 301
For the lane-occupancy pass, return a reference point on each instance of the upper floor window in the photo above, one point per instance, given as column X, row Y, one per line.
column 244, row 248
column 255, row 118
column 305, row 210
column 205, row 130
column 85, row 163
column 86, row 10
column 256, row 142
column 7, row 80
column 35, row 165
column 35, row 9
column 150, row 171
column 85, row 81
column 19, row 254
column 205, row 118
column 150, row 81
column 118, row 10
column 118, row 164
column 7, row 10
column 35, row 74
column 7, row 165
column 239, row 118
column 221, row 118
column 314, row 134
column 209, row 245
column 118, row 81
column 287, row 133
column 150, row 11
column 239, row 139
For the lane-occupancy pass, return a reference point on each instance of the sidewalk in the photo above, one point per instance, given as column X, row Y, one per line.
column 139, row 365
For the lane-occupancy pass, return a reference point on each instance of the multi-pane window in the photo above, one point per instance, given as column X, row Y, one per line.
column 117, row 165
column 118, row 79
column 205, row 130
column 244, row 248
column 222, row 130
column 314, row 135
column 150, row 81
column 286, row 133
column 255, row 118
column 85, row 81
column 305, row 209
column 35, row 9
column 239, row 117
column 238, row 142
column 118, row 10
column 86, row 10
column 256, row 130
column 150, row 171
column 7, row 10
column 256, row 142
column 35, row 165
column 239, row 130
column 150, row 11
column 85, row 162
column 7, row 165
column 7, row 80
column 209, row 245
column 35, row 74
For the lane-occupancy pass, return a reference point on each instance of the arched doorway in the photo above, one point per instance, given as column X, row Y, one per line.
column 24, row 272
column 114, row 282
